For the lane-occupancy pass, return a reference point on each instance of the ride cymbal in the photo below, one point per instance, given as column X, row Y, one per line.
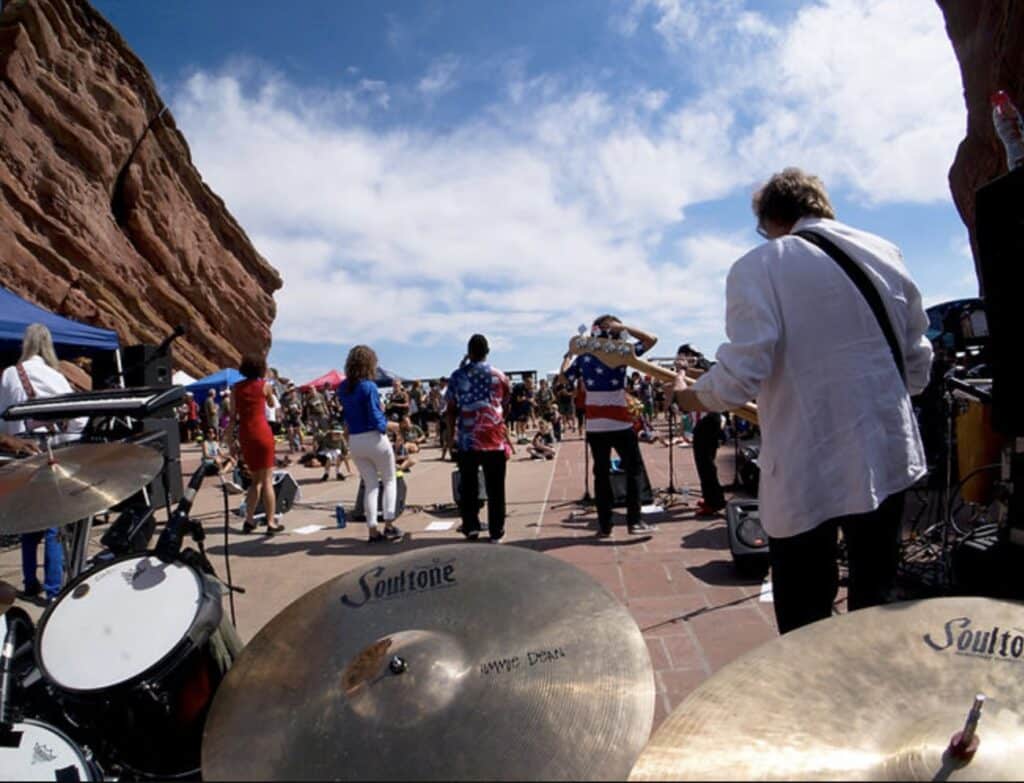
column 454, row 662
column 871, row 695
column 81, row 480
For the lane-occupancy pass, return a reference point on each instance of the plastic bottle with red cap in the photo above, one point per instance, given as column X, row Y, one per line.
column 1010, row 128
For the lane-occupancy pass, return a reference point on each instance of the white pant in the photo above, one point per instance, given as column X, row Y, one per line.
column 376, row 463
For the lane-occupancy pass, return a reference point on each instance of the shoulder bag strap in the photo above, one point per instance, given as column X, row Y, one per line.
column 26, row 384
column 866, row 287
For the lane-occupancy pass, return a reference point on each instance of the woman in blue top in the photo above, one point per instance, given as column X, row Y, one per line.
column 367, row 439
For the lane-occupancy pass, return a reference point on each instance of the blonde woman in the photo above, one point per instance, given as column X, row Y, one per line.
column 368, row 443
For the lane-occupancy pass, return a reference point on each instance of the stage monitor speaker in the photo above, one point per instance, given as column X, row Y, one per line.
column 359, row 510
column 747, row 540
column 619, row 489
column 999, row 233
column 285, row 491
column 457, row 486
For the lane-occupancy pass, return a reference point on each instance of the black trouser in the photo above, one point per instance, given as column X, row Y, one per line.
column 805, row 571
column 627, row 447
column 705, row 446
column 493, row 463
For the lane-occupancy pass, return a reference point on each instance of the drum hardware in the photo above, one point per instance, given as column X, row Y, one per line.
column 874, row 694
column 563, row 690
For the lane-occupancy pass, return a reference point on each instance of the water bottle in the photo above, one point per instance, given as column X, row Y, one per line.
column 339, row 515
column 1008, row 124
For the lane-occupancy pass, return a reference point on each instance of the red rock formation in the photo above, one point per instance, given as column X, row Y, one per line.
column 988, row 38
column 103, row 216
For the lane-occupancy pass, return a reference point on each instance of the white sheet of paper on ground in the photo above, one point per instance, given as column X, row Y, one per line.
column 436, row 526
column 305, row 530
column 653, row 508
column 767, row 596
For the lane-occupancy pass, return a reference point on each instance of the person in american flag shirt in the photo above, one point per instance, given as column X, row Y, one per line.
column 609, row 423
column 477, row 395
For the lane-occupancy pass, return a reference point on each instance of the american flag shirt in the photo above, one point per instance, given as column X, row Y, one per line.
column 606, row 392
column 479, row 393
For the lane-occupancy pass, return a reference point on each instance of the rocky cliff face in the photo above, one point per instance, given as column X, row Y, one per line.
column 988, row 38
column 103, row 216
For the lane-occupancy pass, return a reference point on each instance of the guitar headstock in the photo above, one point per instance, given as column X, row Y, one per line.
column 614, row 353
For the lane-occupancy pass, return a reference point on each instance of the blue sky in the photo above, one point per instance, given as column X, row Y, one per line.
column 419, row 171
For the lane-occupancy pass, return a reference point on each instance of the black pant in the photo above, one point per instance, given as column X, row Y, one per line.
column 706, row 435
column 805, row 572
column 493, row 463
column 627, row 447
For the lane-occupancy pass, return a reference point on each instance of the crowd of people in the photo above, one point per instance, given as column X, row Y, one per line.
column 817, row 380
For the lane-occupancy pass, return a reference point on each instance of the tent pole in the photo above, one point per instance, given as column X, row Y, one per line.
column 120, row 369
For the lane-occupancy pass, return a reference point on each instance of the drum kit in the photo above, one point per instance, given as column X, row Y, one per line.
column 467, row 662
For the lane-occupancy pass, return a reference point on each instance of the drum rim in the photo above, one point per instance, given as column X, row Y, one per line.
column 175, row 654
column 87, row 765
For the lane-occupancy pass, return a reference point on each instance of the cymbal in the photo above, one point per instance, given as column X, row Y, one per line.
column 84, row 479
column 870, row 695
column 464, row 661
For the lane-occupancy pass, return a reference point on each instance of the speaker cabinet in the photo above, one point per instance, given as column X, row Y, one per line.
column 999, row 232
column 359, row 510
column 619, row 489
column 748, row 542
column 140, row 363
column 457, row 486
column 285, row 491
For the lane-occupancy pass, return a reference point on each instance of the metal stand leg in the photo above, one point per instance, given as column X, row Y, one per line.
column 80, row 534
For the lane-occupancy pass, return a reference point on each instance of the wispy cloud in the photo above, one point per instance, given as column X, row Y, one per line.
column 440, row 77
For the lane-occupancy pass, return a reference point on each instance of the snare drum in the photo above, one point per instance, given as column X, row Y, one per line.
column 134, row 651
column 43, row 752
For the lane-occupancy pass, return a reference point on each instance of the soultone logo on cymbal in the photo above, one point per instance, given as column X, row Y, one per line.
column 995, row 643
column 380, row 584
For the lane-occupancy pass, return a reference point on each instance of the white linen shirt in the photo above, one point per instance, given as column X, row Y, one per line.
column 46, row 381
column 838, row 431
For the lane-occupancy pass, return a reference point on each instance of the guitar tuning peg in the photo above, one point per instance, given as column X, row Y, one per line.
column 581, row 329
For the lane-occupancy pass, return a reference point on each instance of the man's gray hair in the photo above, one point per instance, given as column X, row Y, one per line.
column 790, row 195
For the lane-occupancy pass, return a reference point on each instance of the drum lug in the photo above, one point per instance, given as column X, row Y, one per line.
column 157, row 695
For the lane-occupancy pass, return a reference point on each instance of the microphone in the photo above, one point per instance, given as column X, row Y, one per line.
column 179, row 330
column 168, row 546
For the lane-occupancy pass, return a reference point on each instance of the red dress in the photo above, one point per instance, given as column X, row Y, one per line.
column 254, row 435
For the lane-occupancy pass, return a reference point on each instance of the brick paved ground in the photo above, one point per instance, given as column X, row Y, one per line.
column 695, row 611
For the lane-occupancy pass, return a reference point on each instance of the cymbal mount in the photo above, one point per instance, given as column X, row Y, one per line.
column 398, row 665
column 964, row 744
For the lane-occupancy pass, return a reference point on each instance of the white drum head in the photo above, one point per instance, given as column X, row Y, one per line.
column 118, row 622
column 41, row 752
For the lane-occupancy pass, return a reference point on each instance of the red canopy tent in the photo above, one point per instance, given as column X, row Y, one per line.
column 332, row 378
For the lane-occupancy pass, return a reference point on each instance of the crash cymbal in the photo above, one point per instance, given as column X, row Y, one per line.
column 83, row 479
column 8, row 594
column 454, row 662
column 871, row 695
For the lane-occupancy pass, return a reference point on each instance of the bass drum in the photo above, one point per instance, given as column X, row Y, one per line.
column 39, row 751
column 134, row 652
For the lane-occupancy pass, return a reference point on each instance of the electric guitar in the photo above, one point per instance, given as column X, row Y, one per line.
column 748, row 411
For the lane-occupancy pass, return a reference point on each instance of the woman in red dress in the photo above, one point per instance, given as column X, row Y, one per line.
column 256, row 440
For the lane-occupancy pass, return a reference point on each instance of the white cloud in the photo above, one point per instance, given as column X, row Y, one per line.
column 556, row 199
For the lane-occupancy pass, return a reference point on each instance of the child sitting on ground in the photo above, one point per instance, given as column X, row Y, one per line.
column 332, row 449
column 542, row 445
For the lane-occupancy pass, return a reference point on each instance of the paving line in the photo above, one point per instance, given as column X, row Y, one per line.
column 547, row 493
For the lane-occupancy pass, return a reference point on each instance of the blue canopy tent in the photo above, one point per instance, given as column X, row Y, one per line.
column 385, row 378
column 71, row 338
column 217, row 383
